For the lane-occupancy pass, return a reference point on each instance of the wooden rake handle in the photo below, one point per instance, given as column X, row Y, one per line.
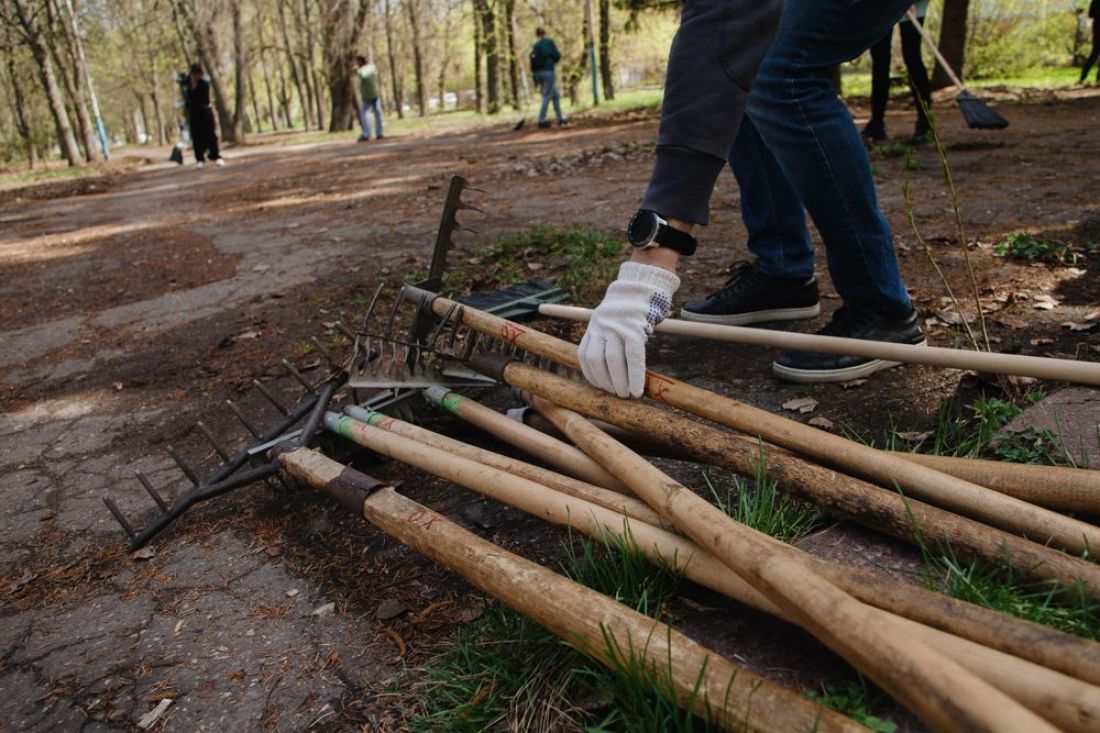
column 1040, row 367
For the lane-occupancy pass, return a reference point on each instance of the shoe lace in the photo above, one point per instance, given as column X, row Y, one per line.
column 740, row 274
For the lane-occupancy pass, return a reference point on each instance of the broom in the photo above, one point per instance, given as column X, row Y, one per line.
column 977, row 113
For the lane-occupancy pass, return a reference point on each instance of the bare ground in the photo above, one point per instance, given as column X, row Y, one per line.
column 133, row 304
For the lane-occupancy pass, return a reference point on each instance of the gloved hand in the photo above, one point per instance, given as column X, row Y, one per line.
column 612, row 352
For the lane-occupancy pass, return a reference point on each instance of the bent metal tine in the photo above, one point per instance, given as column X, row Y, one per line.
column 151, row 491
column 270, row 396
column 118, row 517
column 333, row 362
column 184, row 467
column 244, row 420
column 298, row 376
column 222, row 453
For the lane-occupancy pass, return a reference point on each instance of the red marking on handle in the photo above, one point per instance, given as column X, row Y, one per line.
column 386, row 423
column 657, row 386
column 510, row 333
column 423, row 518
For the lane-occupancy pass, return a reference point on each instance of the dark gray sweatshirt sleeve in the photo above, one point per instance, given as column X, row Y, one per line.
column 714, row 58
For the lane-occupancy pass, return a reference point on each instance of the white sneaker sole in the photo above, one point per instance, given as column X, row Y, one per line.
column 829, row 376
column 745, row 319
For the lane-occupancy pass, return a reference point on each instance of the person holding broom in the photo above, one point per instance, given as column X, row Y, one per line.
column 793, row 145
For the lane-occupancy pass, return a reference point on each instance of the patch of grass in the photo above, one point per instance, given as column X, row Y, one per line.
column 1023, row 246
column 505, row 672
column 763, row 507
column 997, row 587
column 576, row 257
column 976, row 431
column 892, row 149
column 856, row 700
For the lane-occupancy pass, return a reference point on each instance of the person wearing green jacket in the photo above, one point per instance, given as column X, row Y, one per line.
column 368, row 98
column 544, row 55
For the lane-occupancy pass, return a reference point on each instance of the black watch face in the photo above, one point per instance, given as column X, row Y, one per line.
column 642, row 228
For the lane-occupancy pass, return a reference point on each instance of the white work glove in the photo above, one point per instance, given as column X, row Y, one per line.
column 612, row 352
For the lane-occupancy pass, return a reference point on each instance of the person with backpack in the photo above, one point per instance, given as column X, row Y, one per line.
column 544, row 55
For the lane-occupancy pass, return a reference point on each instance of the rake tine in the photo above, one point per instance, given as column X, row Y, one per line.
column 212, row 441
column 345, row 331
column 298, row 375
column 270, row 396
column 244, row 421
column 373, row 304
column 183, row 466
column 332, row 361
column 119, row 518
column 470, row 345
column 152, row 492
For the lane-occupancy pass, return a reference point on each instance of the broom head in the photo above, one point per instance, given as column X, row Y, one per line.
column 978, row 114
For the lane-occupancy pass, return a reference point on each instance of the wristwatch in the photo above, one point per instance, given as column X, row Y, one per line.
column 647, row 229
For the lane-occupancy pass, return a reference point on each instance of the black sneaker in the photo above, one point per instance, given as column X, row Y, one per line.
column 752, row 297
column 811, row 367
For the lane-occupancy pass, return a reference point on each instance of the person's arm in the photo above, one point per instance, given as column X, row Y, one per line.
column 714, row 58
column 555, row 54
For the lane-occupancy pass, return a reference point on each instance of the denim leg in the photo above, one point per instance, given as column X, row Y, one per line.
column 555, row 97
column 815, row 141
column 771, row 208
column 363, row 122
column 546, row 88
column 377, row 106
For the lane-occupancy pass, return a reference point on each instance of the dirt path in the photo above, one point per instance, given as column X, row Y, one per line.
column 133, row 308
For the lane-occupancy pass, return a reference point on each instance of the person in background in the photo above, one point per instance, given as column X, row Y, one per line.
column 200, row 117
column 919, row 84
column 368, row 98
column 544, row 55
column 1094, row 13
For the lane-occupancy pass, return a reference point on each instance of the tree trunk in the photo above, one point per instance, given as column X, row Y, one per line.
column 265, row 69
column 59, row 39
column 413, row 8
column 240, row 76
column 33, row 35
column 206, row 48
column 19, row 103
column 952, row 41
column 311, row 67
column 489, row 37
column 391, row 56
column 295, row 78
column 479, row 74
column 510, row 45
column 608, row 78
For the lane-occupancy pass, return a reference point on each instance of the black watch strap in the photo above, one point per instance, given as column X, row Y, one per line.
column 673, row 238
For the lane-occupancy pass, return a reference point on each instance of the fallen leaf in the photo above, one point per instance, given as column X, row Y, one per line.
column 1041, row 341
column 150, row 718
column 534, row 266
column 800, row 404
column 1080, row 326
column 470, row 613
column 145, row 553
column 914, row 437
column 246, row 335
column 273, row 550
column 852, row 384
column 292, row 592
column 822, row 422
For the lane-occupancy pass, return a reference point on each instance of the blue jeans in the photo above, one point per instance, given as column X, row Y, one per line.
column 799, row 147
column 549, row 88
column 366, row 106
